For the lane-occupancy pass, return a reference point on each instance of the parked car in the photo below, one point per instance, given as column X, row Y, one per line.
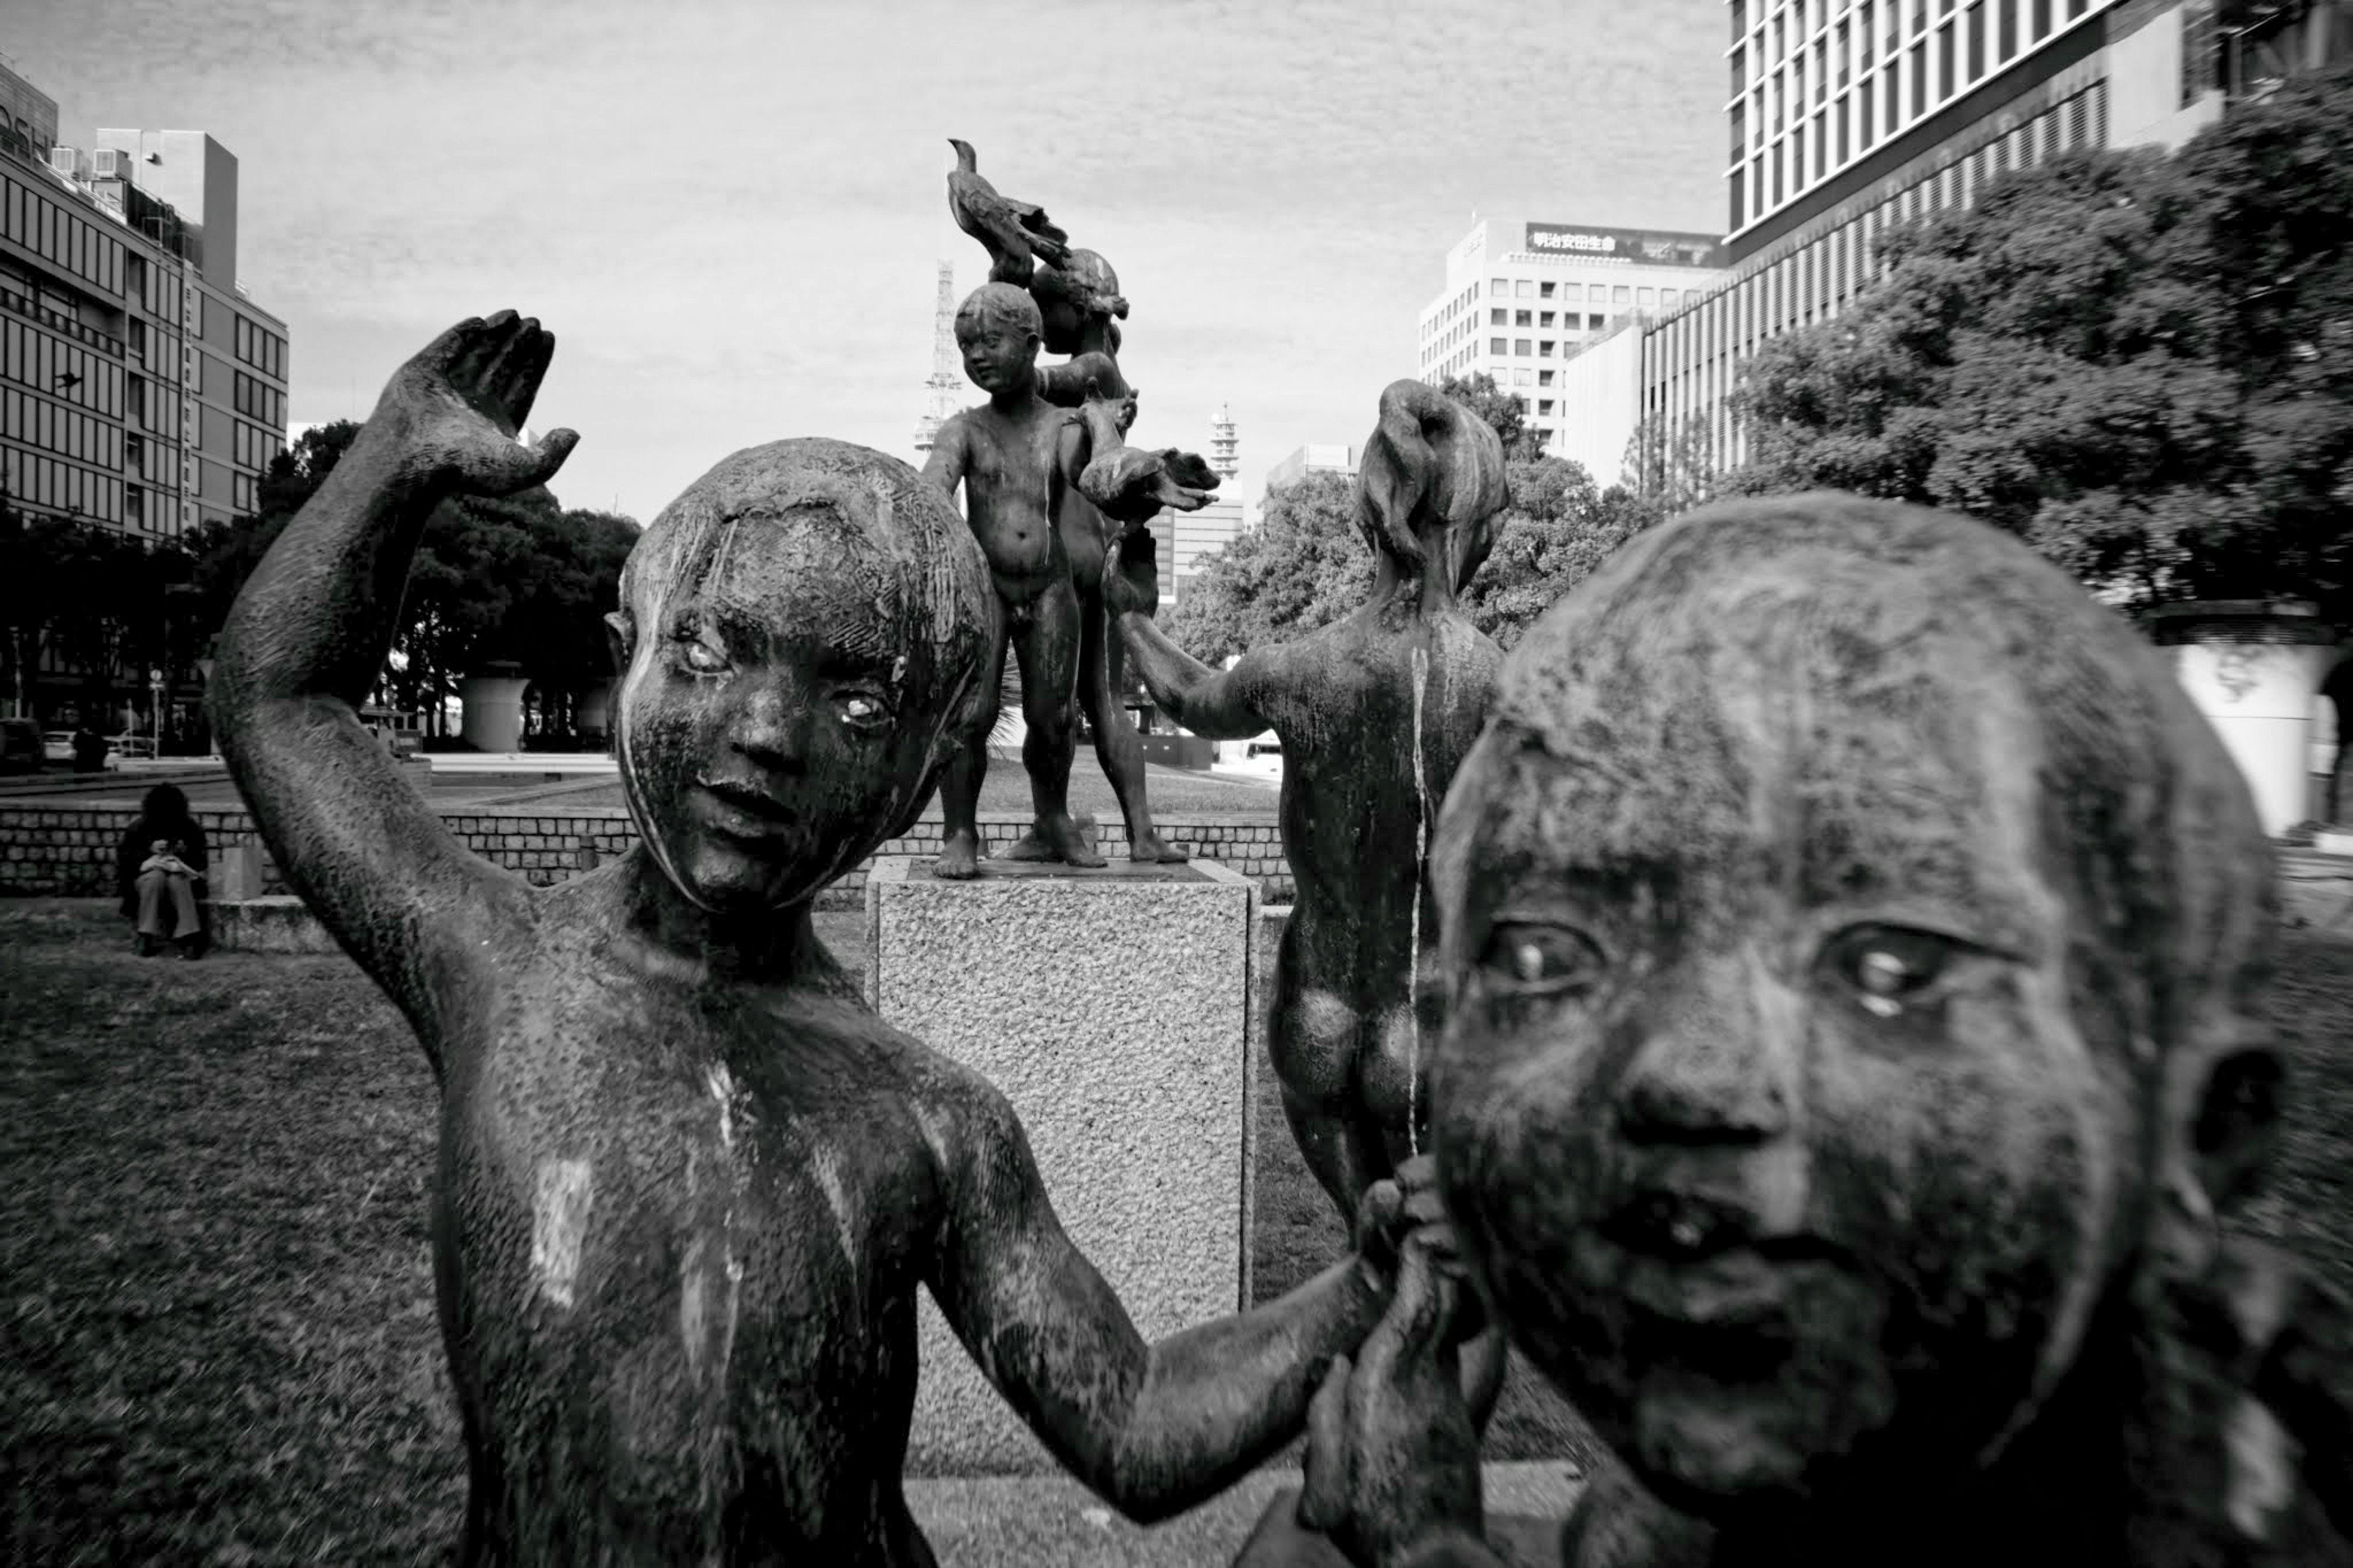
column 132, row 746
column 22, row 750
column 57, row 746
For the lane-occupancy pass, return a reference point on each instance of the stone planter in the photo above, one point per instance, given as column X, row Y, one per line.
column 2254, row 668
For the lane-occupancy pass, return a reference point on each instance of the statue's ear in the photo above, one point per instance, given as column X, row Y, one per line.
column 622, row 628
column 2236, row 1133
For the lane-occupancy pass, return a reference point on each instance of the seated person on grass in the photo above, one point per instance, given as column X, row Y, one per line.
column 159, row 874
column 1856, row 1058
column 689, row 1183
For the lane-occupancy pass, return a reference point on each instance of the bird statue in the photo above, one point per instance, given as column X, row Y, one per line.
column 1015, row 234
column 1131, row 484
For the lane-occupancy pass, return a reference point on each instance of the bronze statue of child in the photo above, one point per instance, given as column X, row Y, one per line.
column 1855, row 1054
column 689, row 1184
column 1013, row 456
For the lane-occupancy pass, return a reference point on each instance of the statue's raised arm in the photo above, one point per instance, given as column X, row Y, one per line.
column 309, row 632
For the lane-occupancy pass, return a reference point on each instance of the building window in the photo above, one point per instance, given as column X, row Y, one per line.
column 1544, row 378
column 1520, row 349
column 1495, row 319
column 1622, row 294
column 1524, row 288
column 1522, row 318
column 1543, row 290
column 1495, row 346
column 1544, row 405
column 1524, row 377
column 1499, row 288
column 1668, row 297
column 1646, row 296
column 1544, row 348
column 1593, row 323
column 1546, row 321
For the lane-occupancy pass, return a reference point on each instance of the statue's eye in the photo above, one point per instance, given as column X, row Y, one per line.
column 1889, row 966
column 864, row 711
column 1525, row 955
column 702, row 658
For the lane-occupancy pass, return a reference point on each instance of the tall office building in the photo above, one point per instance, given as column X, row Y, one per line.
column 1522, row 299
column 1300, row 461
column 943, row 388
column 144, row 388
column 1848, row 118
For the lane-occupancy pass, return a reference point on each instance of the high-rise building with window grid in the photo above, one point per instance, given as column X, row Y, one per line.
column 140, row 387
column 1848, row 118
column 1523, row 299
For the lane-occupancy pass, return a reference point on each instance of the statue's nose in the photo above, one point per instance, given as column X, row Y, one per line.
column 1717, row 1058
column 771, row 726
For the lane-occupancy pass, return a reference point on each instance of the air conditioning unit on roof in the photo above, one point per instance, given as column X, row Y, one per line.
column 69, row 163
column 110, row 163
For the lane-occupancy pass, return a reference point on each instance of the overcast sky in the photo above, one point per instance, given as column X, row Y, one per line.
column 730, row 211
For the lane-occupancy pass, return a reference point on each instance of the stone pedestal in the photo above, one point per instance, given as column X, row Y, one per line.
column 1111, row 1008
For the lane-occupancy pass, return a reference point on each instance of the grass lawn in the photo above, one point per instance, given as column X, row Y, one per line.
column 217, row 1308
column 1007, row 789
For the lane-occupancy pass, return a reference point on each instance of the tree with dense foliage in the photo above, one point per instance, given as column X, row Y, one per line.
column 1305, row 564
column 1502, row 411
column 2141, row 364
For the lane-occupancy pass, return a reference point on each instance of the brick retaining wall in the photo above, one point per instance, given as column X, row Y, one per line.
column 69, row 851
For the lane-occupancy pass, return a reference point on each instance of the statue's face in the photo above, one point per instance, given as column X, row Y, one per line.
column 998, row 354
column 771, row 735
column 1784, row 1124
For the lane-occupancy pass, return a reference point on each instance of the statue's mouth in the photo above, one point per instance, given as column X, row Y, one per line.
column 746, row 813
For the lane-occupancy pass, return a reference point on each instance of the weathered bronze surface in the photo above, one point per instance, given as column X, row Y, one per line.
column 1856, row 1054
column 689, row 1184
column 1049, row 444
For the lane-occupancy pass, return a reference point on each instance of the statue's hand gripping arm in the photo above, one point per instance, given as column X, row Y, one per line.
column 309, row 634
column 1152, row 1429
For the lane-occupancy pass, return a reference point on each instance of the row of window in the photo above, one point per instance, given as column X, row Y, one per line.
column 35, row 358
column 1691, row 361
column 255, row 447
column 41, row 480
column 154, row 406
column 1804, row 113
column 1620, row 295
column 256, row 399
column 75, row 245
column 259, row 347
column 65, row 432
column 158, row 290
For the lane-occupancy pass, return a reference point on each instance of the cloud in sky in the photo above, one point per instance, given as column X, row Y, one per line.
column 730, row 211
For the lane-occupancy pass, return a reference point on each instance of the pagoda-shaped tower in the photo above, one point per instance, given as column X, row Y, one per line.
column 1224, row 448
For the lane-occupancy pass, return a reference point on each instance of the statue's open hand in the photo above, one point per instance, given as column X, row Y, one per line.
column 1132, row 574
column 1392, row 1455
column 462, row 398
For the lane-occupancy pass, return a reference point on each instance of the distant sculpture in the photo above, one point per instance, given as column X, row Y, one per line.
column 1375, row 712
column 1103, row 492
column 690, row 1184
column 1854, row 1062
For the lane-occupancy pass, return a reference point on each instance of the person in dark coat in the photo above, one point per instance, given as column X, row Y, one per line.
column 88, row 751
column 159, row 871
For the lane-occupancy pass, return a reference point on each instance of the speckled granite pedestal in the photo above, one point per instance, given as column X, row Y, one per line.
column 1112, row 1008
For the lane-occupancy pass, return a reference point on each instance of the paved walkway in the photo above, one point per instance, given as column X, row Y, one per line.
column 1032, row 1521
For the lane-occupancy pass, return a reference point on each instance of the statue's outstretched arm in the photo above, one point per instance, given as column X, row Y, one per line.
column 1220, row 704
column 1152, row 1429
column 309, row 634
